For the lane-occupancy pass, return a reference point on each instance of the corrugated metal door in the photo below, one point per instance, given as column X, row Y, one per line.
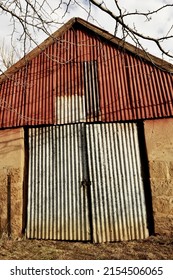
column 57, row 198
column 63, row 205
column 117, row 191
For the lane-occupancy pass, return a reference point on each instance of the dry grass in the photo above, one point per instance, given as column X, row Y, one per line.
column 153, row 248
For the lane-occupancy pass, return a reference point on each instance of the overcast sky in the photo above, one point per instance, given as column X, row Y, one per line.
column 158, row 26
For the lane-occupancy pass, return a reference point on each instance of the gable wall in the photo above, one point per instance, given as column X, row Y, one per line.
column 52, row 87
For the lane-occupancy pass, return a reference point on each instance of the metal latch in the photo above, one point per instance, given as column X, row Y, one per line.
column 85, row 183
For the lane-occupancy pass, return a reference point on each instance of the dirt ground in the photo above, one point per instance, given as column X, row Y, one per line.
column 153, row 248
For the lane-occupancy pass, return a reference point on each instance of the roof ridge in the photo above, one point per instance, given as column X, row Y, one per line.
column 128, row 46
column 164, row 65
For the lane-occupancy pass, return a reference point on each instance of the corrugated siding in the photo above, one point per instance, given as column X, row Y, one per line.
column 117, row 191
column 62, row 205
column 57, row 202
column 61, row 85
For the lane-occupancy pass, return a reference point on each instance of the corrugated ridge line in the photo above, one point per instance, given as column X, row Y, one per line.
column 117, row 186
column 57, row 204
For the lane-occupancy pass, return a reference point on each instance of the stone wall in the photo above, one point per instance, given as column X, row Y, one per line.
column 11, row 181
column 159, row 142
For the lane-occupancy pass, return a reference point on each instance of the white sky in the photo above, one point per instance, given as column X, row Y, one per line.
column 158, row 26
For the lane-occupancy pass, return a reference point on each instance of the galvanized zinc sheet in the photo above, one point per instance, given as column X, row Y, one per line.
column 57, row 200
column 117, row 190
column 85, row 183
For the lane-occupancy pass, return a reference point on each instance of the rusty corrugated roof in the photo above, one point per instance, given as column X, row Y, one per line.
column 84, row 74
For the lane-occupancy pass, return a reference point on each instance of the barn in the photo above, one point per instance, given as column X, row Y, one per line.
column 86, row 140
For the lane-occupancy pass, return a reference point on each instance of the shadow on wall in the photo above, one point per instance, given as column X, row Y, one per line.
column 146, row 177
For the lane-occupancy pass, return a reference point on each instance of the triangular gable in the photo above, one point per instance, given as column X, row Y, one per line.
column 82, row 73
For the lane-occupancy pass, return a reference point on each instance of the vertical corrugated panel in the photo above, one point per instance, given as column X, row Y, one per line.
column 113, row 84
column 149, row 89
column 117, row 191
column 78, row 94
column 62, row 160
column 39, row 92
column 51, row 88
column 11, row 101
column 91, row 92
column 57, row 201
column 70, row 103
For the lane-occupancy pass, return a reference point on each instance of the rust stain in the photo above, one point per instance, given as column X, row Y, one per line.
column 129, row 87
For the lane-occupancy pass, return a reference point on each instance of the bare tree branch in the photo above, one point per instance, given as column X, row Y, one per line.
column 29, row 17
column 8, row 56
column 119, row 18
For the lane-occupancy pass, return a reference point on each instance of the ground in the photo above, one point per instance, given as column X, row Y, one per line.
column 152, row 248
